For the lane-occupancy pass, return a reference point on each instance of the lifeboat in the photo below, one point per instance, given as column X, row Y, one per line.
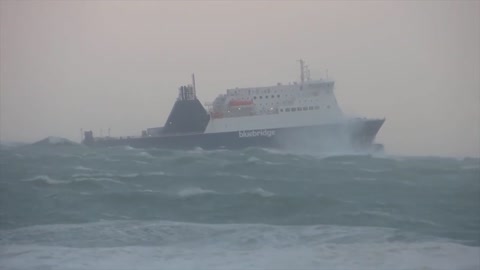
column 239, row 102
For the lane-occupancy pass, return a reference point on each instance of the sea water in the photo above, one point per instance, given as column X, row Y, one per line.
column 73, row 207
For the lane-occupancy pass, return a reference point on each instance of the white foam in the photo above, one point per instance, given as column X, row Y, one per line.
column 194, row 191
column 46, row 179
column 159, row 173
column 375, row 170
column 93, row 175
column 97, row 179
column 57, row 140
column 144, row 154
column 81, row 168
column 129, row 175
column 428, row 256
column 253, row 159
column 260, row 192
column 140, row 162
column 171, row 245
column 77, row 178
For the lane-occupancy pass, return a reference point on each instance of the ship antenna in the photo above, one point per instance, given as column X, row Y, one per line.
column 193, row 84
column 302, row 71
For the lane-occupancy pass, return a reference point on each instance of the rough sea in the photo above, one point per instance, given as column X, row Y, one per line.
column 72, row 207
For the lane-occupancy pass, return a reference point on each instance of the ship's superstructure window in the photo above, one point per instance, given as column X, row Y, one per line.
column 283, row 98
column 299, row 109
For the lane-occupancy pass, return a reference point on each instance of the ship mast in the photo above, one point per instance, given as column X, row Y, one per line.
column 302, row 71
column 193, row 84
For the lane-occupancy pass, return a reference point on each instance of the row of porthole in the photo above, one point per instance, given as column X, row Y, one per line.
column 303, row 108
column 260, row 97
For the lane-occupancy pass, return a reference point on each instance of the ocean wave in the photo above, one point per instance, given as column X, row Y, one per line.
column 374, row 170
column 96, row 180
column 82, row 168
column 92, row 175
column 253, row 159
column 79, row 178
column 197, row 191
column 260, row 192
column 46, row 179
column 78, row 184
column 144, row 155
column 140, row 162
column 194, row 191
column 365, row 178
column 158, row 173
column 172, row 245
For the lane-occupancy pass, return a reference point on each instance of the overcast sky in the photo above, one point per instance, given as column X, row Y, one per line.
column 66, row 65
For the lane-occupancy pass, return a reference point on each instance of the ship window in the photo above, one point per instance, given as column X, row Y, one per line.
column 328, row 106
column 281, row 110
column 317, row 107
column 287, row 109
column 255, row 97
column 273, row 96
column 261, row 97
column 278, row 96
column 310, row 108
column 266, row 96
column 305, row 108
column 294, row 109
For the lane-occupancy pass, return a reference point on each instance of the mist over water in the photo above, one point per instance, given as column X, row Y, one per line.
column 66, row 206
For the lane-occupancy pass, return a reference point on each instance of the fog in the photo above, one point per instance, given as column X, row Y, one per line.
column 94, row 65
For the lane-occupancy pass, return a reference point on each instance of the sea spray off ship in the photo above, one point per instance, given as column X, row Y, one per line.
column 297, row 115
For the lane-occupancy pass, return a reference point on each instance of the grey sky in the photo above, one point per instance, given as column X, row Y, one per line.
column 69, row 65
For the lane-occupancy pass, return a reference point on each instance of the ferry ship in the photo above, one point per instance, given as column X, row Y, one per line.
column 302, row 114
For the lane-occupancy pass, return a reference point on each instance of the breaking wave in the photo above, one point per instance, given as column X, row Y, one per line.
column 247, row 209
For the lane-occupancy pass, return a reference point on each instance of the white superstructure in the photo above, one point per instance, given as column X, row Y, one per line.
column 308, row 103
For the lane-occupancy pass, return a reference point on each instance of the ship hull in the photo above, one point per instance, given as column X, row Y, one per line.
column 358, row 135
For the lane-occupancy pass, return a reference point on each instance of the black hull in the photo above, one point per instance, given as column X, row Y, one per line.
column 358, row 134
